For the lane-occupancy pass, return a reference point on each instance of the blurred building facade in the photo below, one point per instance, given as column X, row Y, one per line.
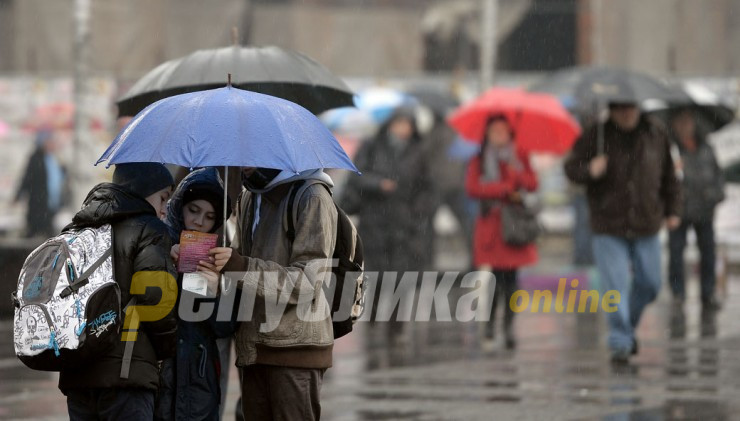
column 381, row 38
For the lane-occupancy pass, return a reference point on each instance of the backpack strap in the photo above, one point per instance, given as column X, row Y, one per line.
column 128, row 350
column 296, row 191
column 84, row 278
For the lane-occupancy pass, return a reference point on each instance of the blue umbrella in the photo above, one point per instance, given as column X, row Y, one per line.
column 380, row 102
column 228, row 127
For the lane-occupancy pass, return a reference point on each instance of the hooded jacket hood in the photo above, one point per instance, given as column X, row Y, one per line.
column 288, row 176
column 205, row 178
column 107, row 203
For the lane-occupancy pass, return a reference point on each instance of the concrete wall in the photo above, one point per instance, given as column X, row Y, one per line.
column 127, row 38
column 349, row 41
column 682, row 37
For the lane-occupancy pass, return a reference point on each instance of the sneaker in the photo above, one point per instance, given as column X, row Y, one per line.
column 621, row 357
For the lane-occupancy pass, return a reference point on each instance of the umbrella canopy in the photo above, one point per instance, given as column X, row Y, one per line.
column 439, row 101
column 350, row 122
column 228, row 127
column 268, row 70
column 540, row 122
column 711, row 112
column 380, row 103
column 587, row 87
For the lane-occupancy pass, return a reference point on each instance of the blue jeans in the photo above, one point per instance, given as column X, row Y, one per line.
column 582, row 248
column 110, row 404
column 632, row 268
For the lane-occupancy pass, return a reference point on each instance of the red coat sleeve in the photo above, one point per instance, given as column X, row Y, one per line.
column 493, row 190
column 527, row 178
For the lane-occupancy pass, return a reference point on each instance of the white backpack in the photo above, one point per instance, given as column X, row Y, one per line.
column 67, row 304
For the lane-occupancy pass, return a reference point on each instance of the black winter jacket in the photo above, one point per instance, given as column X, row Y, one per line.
column 640, row 187
column 703, row 182
column 140, row 243
column 392, row 225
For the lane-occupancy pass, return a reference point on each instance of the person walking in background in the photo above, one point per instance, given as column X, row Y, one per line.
column 703, row 188
column 43, row 186
column 190, row 383
column 448, row 181
column 632, row 190
column 499, row 175
column 392, row 196
column 133, row 204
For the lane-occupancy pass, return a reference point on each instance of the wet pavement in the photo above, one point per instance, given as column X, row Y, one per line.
column 688, row 368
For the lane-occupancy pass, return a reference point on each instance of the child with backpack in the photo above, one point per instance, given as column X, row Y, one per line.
column 75, row 289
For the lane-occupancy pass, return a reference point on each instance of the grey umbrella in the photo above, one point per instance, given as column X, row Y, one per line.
column 267, row 70
column 585, row 90
column 586, row 87
column 711, row 111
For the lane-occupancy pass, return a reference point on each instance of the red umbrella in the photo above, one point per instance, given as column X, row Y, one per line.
column 540, row 122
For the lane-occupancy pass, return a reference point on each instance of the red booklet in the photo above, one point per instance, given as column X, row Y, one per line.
column 194, row 247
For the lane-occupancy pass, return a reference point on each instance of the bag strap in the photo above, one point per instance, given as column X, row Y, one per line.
column 297, row 190
column 84, row 278
column 289, row 208
column 128, row 350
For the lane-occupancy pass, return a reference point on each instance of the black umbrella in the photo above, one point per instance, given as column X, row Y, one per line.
column 267, row 70
column 441, row 102
column 584, row 88
column 712, row 113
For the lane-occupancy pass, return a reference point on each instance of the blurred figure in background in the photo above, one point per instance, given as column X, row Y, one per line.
column 582, row 248
column 43, row 186
column 632, row 189
column 703, row 189
column 499, row 175
column 392, row 196
column 449, row 179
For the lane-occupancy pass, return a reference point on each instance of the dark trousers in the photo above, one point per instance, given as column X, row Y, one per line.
column 110, row 404
column 676, row 269
column 506, row 286
column 272, row 393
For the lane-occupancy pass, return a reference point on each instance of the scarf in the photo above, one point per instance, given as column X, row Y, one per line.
column 493, row 156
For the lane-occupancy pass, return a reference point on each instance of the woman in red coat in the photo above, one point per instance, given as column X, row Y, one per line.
column 498, row 175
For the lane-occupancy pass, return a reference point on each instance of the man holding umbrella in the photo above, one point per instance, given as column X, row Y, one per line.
column 632, row 190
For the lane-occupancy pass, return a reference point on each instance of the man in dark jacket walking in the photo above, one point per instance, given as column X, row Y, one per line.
column 703, row 187
column 133, row 205
column 632, row 189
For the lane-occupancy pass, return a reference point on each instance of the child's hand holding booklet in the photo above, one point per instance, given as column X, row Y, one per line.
column 194, row 247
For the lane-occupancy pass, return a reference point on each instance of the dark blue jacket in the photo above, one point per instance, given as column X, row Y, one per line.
column 189, row 383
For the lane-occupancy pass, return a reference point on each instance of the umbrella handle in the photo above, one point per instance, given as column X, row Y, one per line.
column 225, row 283
column 600, row 129
column 226, row 202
